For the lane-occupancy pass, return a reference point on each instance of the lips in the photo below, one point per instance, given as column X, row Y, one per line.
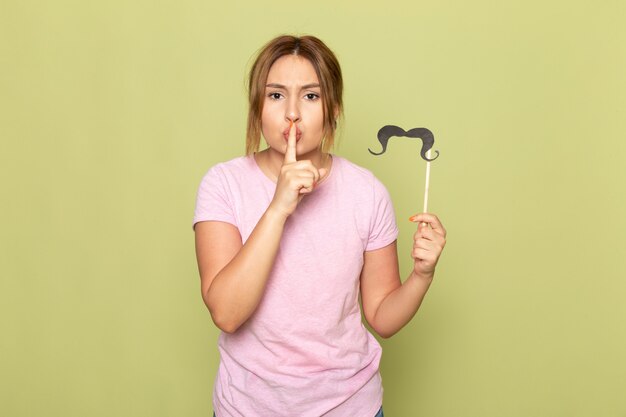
column 298, row 134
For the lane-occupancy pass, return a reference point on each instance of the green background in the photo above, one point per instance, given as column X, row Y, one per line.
column 111, row 112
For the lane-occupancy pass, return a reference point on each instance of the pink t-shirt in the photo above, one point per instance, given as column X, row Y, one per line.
column 304, row 352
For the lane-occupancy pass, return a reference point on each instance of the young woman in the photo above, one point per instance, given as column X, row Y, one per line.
column 288, row 238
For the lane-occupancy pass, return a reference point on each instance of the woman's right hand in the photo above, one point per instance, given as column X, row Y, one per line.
column 296, row 179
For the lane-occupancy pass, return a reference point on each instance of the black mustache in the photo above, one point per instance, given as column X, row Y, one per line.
column 428, row 139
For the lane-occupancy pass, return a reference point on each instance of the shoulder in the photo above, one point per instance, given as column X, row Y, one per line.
column 240, row 163
column 349, row 168
column 370, row 203
column 232, row 169
column 357, row 175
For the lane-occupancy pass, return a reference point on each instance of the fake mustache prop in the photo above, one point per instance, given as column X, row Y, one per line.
column 387, row 132
column 428, row 140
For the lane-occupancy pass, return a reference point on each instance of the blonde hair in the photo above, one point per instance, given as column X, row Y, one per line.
column 328, row 72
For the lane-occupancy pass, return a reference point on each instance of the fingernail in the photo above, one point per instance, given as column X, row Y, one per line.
column 412, row 218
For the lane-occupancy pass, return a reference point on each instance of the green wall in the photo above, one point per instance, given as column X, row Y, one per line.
column 111, row 112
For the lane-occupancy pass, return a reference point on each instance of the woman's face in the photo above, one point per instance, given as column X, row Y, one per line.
column 293, row 94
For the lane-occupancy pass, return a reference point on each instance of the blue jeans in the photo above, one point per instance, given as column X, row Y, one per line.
column 379, row 414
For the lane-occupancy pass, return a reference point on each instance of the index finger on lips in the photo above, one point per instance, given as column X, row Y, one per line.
column 290, row 153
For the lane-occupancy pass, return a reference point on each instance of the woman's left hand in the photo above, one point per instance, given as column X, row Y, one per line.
column 428, row 243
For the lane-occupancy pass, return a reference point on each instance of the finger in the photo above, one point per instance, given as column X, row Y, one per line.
column 430, row 240
column 308, row 166
column 422, row 227
column 304, row 182
column 423, row 232
column 428, row 245
column 322, row 172
column 307, row 189
column 432, row 220
column 305, row 175
column 427, row 233
column 422, row 255
column 425, row 255
column 290, row 153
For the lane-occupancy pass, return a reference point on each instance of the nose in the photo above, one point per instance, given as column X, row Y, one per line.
column 292, row 113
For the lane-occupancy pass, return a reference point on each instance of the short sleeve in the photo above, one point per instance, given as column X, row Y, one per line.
column 383, row 228
column 213, row 201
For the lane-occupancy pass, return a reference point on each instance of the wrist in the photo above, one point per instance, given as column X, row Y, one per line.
column 274, row 214
column 423, row 277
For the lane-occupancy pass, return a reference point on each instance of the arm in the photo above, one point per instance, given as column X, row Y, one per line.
column 233, row 276
column 388, row 304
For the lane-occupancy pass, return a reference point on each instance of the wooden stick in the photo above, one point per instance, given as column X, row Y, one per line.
column 427, row 183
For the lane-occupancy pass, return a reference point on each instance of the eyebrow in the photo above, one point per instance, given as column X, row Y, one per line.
column 304, row 87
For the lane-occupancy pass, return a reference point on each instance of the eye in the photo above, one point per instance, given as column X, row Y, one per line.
column 275, row 96
column 312, row 96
